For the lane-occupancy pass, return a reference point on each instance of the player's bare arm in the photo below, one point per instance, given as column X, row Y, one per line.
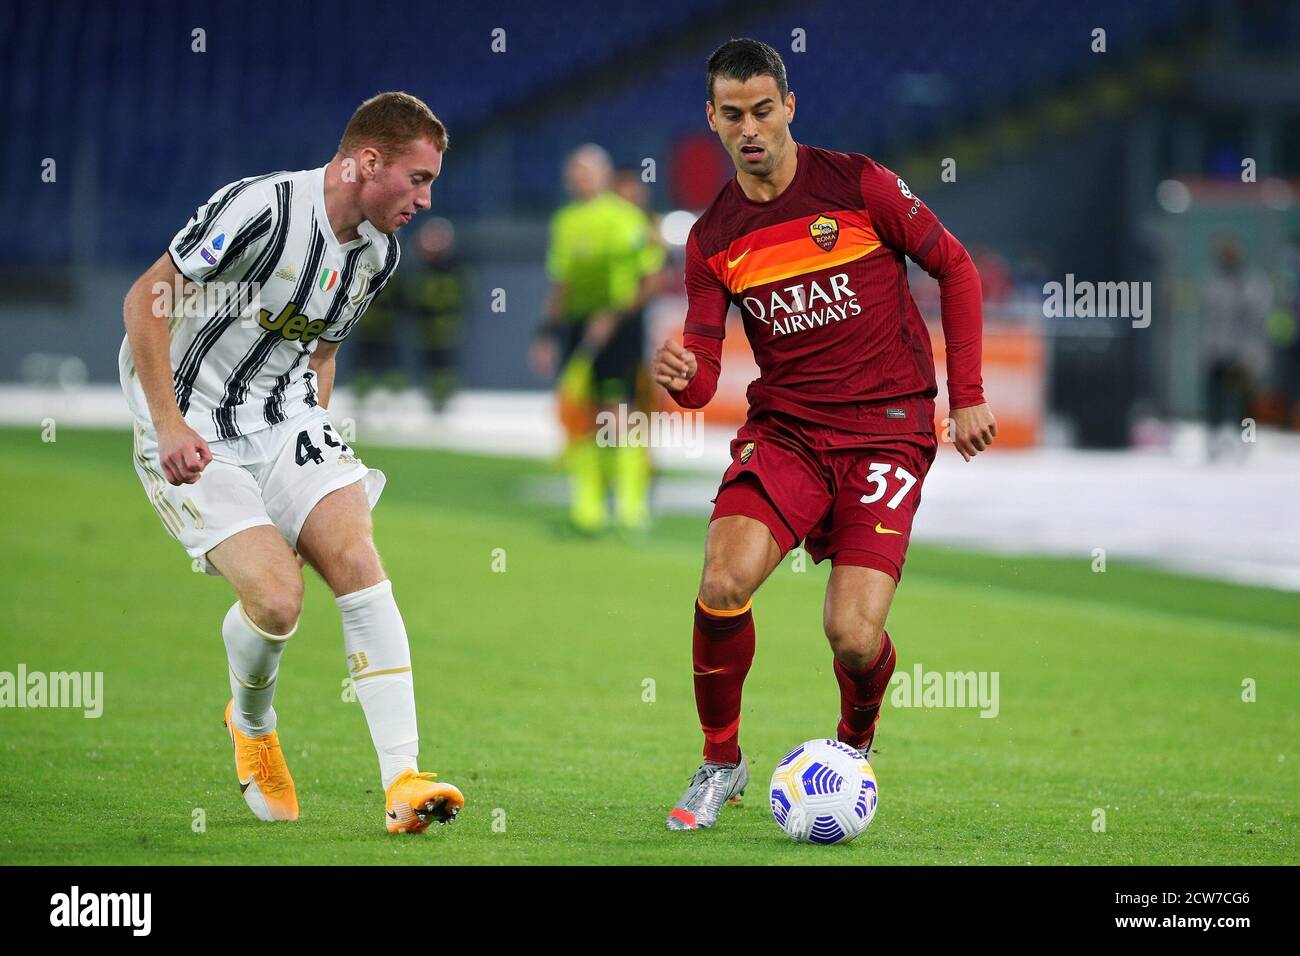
column 674, row 366
column 182, row 452
column 323, row 364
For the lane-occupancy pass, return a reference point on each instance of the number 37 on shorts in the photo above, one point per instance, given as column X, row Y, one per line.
column 872, row 512
column 877, row 473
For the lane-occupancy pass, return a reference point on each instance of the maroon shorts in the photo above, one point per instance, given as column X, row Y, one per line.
column 848, row 497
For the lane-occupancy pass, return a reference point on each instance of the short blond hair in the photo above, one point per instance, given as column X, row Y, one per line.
column 391, row 122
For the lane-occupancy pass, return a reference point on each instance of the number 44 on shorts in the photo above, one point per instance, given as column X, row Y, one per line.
column 877, row 470
column 306, row 451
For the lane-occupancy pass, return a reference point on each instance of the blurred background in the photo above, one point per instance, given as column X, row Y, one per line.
column 1154, row 143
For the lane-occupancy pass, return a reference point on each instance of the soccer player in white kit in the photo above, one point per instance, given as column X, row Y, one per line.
column 229, row 386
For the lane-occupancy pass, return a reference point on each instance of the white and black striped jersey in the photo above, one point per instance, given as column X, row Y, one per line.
column 273, row 279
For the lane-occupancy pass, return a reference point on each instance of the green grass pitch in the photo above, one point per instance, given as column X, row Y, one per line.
column 1119, row 691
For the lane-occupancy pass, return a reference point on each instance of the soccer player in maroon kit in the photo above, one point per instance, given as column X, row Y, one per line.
column 809, row 244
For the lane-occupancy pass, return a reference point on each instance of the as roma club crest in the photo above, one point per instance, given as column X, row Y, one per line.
column 825, row 231
column 746, row 452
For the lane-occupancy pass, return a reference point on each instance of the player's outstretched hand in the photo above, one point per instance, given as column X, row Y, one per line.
column 183, row 453
column 674, row 366
column 973, row 429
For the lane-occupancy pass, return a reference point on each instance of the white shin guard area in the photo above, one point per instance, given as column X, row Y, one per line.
column 379, row 661
column 254, row 657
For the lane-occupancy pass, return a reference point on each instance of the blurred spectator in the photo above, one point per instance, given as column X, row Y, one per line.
column 1284, row 330
column 629, row 184
column 433, row 296
column 378, row 362
column 1235, row 303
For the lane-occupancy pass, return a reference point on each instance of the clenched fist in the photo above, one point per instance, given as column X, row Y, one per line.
column 182, row 453
column 973, row 429
column 673, row 366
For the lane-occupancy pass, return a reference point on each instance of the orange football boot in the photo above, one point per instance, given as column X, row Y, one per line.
column 262, row 773
column 414, row 801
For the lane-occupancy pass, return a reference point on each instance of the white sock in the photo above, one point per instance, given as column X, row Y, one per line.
column 379, row 660
column 254, row 657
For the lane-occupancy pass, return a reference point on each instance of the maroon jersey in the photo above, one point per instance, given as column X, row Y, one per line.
column 819, row 277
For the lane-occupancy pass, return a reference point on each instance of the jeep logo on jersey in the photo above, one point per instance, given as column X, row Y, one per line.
column 291, row 324
column 794, row 308
column 825, row 231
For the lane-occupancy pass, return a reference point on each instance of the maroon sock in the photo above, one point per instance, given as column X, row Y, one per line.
column 861, row 693
column 723, row 649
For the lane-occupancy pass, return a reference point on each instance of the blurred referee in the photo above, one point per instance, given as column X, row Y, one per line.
column 600, row 261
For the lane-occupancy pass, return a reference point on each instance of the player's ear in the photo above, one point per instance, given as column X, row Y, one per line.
column 789, row 107
column 369, row 162
column 709, row 114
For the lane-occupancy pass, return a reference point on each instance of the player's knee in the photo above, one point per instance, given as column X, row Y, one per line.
column 724, row 589
column 353, row 566
column 276, row 607
column 855, row 638
column 275, row 615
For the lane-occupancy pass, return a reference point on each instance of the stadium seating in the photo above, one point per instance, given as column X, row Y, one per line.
column 140, row 132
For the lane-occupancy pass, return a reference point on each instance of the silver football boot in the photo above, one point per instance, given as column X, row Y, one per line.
column 711, row 786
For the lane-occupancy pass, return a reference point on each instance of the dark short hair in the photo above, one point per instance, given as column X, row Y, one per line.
column 744, row 58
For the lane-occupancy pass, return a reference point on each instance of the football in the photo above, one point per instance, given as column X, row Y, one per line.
column 823, row 791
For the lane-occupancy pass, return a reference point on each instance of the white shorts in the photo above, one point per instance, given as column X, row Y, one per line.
column 274, row 476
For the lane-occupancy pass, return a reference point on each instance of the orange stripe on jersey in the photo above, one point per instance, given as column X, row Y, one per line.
column 793, row 248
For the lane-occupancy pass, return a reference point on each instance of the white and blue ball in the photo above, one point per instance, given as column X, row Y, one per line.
column 823, row 791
